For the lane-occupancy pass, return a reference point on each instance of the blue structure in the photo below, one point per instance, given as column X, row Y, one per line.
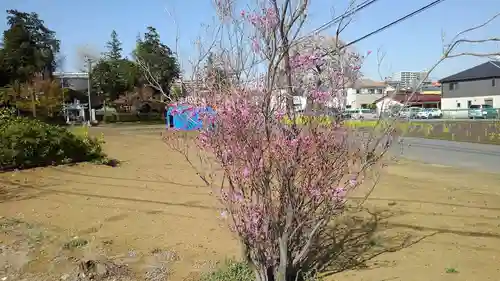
column 185, row 117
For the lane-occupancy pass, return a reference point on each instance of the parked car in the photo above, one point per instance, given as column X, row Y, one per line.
column 482, row 111
column 362, row 113
column 346, row 114
column 409, row 112
column 429, row 113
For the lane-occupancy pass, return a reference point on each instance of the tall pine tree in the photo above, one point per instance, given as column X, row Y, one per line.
column 110, row 75
column 114, row 47
column 159, row 59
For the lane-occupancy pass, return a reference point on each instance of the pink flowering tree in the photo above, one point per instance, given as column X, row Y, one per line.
column 282, row 172
column 285, row 174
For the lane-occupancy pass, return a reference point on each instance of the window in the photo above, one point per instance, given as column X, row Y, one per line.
column 469, row 103
column 458, row 105
column 453, row 86
column 493, row 83
column 358, row 91
column 475, row 106
column 488, row 103
column 371, row 91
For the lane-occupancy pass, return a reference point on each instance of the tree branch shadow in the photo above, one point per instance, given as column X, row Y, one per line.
column 11, row 191
column 354, row 240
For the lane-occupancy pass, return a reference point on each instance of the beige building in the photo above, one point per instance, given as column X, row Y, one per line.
column 364, row 92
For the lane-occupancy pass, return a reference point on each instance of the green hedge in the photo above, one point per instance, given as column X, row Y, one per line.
column 132, row 117
column 26, row 143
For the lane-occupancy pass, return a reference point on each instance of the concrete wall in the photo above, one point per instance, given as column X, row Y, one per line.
column 458, row 107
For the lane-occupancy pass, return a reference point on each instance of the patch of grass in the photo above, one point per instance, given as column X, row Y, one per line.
column 451, row 270
column 231, row 271
column 240, row 271
column 9, row 223
column 485, row 132
column 75, row 243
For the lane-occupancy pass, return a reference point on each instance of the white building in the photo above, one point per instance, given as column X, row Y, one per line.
column 409, row 78
column 479, row 85
column 364, row 92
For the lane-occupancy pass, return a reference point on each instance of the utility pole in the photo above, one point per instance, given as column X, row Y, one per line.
column 89, row 69
column 63, row 101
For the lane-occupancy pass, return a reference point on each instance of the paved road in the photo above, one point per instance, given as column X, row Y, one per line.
column 482, row 157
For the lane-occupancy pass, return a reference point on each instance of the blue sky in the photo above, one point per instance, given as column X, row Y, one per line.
column 409, row 46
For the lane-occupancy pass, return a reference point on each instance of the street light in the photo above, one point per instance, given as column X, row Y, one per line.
column 89, row 66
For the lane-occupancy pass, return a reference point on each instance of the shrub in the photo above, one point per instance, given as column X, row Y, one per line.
column 27, row 143
column 133, row 117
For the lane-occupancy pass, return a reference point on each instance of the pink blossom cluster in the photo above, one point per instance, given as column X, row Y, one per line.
column 224, row 8
column 264, row 156
column 306, row 61
column 320, row 97
column 323, row 76
column 249, row 217
column 264, row 21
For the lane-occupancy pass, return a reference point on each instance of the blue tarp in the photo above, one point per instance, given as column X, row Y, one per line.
column 186, row 117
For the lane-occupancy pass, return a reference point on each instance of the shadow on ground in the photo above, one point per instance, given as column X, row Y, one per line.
column 19, row 194
column 355, row 239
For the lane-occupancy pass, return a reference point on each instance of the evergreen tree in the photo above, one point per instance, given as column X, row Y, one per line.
column 29, row 47
column 113, row 75
column 114, row 47
column 158, row 57
column 28, row 55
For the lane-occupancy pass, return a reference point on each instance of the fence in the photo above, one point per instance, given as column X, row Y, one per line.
column 488, row 113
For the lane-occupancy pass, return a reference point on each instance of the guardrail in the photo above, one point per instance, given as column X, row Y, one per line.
column 493, row 113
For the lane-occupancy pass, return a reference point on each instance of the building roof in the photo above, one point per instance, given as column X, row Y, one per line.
column 490, row 69
column 366, row 83
column 71, row 74
column 412, row 98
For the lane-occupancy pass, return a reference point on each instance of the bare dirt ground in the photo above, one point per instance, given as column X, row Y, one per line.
column 152, row 213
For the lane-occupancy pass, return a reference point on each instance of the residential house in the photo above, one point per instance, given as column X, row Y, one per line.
column 364, row 92
column 474, row 86
column 401, row 99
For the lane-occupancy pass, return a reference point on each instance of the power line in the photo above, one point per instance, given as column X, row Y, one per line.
column 358, row 8
column 407, row 16
column 335, row 20
column 362, row 6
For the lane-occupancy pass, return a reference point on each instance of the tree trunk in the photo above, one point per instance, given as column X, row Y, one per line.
column 33, row 104
column 105, row 107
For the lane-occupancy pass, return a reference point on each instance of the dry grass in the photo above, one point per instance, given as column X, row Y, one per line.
column 151, row 217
